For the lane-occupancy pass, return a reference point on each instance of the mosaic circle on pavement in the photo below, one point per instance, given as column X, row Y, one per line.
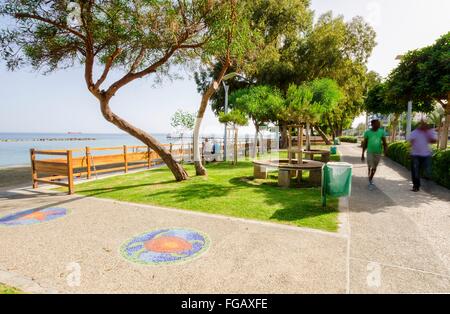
column 33, row 216
column 165, row 246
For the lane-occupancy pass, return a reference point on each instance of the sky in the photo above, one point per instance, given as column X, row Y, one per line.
column 60, row 102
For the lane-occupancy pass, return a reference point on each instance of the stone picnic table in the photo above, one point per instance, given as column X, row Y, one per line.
column 309, row 154
column 288, row 170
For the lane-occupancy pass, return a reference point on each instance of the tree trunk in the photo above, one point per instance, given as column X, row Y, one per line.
column 439, row 130
column 323, row 135
column 200, row 170
column 394, row 125
column 235, row 145
column 331, row 126
column 177, row 170
column 284, row 137
column 444, row 141
column 308, row 136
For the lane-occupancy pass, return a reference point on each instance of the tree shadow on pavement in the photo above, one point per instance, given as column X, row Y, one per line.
column 389, row 192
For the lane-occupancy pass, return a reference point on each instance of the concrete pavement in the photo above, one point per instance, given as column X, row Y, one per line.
column 390, row 241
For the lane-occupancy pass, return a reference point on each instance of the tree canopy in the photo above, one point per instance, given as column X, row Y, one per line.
column 136, row 38
column 423, row 77
column 312, row 101
column 260, row 103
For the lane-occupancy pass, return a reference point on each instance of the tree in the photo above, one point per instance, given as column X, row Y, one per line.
column 238, row 38
column 327, row 94
column 434, row 80
column 310, row 102
column 379, row 101
column 260, row 103
column 338, row 50
column 182, row 121
column 138, row 38
column 236, row 118
column 423, row 76
column 277, row 22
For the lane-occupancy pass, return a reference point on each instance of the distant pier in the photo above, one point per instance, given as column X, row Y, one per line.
column 48, row 139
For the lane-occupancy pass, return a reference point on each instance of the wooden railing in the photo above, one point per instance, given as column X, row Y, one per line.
column 58, row 169
column 68, row 164
column 124, row 158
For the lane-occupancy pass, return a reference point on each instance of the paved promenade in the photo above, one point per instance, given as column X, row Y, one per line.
column 391, row 240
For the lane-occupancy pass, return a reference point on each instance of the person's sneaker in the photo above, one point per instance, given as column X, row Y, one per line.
column 415, row 189
column 371, row 186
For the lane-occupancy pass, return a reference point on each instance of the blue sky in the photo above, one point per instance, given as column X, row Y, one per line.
column 31, row 102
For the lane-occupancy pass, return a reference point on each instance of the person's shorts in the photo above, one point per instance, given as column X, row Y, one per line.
column 373, row 160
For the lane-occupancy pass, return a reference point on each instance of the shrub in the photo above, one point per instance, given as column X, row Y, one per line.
column 400, row 152
column 441, row 168
column 348, row 139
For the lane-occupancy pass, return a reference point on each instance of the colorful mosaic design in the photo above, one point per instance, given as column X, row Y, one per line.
column 165, row 246
column 33, row 216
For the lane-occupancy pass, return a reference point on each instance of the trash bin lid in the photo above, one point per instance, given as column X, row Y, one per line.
column 339, row 164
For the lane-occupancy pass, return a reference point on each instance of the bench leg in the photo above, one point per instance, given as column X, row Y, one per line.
column 259, row 172
column 325, row 158
column 315, row 177
column 299, row 176
column 284, row 178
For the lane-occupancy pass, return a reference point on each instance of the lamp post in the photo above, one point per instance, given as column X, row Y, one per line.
column 409, row 110
column 227, row 87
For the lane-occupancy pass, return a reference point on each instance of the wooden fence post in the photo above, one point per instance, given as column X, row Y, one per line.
column 88, row 162
column 125, row 158
column 149, row 157
column 33, row 169
column 70, row 172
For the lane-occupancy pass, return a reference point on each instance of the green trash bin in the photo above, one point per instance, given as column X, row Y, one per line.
column 333, row 150
column 336, row 180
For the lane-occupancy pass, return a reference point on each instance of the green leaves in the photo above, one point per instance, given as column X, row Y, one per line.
column 235, row 116
column 260, row 103
column 183, row 120
column 309, row 102
column 422, row 76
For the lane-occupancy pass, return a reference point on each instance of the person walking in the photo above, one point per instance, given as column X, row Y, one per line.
column 374, row 142
column 420, row 140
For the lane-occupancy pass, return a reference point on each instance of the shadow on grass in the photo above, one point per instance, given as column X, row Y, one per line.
column 197, row 191
column 297, row 203
column 228, row 191
column 100, row 191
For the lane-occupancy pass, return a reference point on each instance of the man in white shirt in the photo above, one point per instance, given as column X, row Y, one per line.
column 420, row 139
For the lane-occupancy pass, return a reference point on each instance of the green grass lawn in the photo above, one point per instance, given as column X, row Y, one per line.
column 4, row 289
column 228, row 190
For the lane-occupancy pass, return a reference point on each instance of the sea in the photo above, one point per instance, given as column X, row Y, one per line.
column 15, row 147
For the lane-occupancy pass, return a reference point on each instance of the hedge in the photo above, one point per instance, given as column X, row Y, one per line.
column 400, row 152
column 348, row 139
